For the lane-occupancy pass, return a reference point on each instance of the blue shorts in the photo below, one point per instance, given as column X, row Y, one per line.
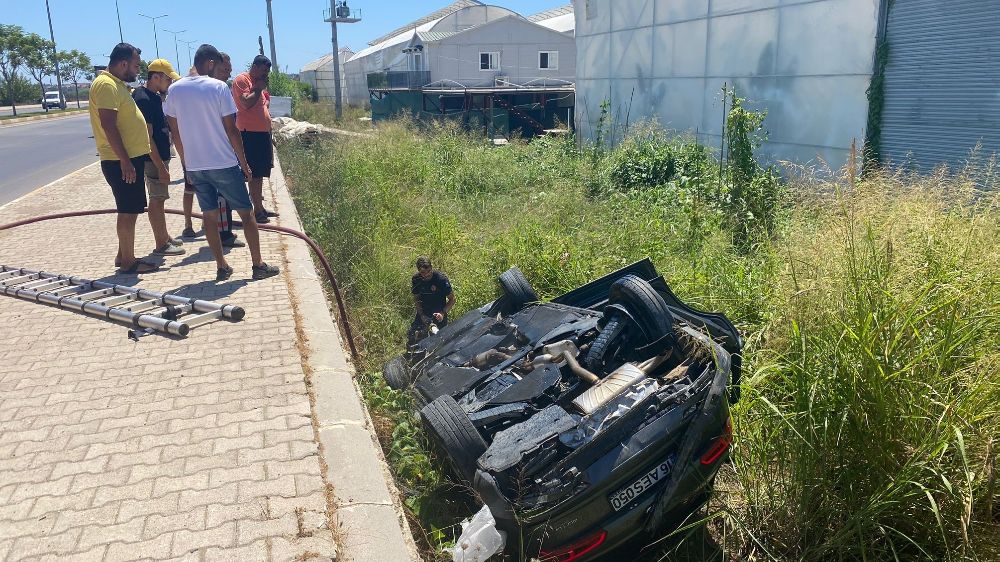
column 228, row 183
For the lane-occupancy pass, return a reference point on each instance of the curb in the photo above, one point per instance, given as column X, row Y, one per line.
column 370, row 524
column 42, row 117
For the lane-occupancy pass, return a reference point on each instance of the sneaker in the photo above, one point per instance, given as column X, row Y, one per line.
column 263, row 271
column 270, row 213
column 169, row 249
column 188, row 233
column 261, row 217
column 176, row 241
column 233, row 242
column 223, row 273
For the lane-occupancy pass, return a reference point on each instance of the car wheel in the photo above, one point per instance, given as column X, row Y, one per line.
column 396, row 373
column 517, row 291
column 594, row 361
column 649, row 313
column 451, row 429
column 647, row 307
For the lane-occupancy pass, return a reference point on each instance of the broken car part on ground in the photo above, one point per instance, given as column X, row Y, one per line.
column 587, row 423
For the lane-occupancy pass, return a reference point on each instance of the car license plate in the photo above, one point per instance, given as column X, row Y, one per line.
column 626, row 495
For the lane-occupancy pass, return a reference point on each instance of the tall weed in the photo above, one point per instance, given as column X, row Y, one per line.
column 870, row 317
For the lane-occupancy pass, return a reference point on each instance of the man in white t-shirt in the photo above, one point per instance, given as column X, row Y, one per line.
column 202, row 118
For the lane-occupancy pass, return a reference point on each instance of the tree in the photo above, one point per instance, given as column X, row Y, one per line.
column 74, row 66
column 38, row 60
column 11, row 57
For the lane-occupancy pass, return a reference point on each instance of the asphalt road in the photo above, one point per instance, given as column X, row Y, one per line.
column 29, row 109
column 36, row 153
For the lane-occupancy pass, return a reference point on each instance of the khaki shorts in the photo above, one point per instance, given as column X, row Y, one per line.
column 157, row 189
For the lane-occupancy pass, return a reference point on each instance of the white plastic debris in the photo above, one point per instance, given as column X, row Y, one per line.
column 480, row 538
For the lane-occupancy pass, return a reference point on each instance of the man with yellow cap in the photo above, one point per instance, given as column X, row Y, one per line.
column 150, row 102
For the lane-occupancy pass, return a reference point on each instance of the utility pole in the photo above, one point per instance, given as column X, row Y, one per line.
column 121, row 35
column 55, row 54
column 339, row 13
column 188, row 43
column 270, row 31
column 177, row 56
column 156, row 40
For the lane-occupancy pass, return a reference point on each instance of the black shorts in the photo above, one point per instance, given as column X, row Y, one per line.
column 130, row 198
column 259, row 152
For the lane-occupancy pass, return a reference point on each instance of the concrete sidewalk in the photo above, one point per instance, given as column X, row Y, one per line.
column 245, row 441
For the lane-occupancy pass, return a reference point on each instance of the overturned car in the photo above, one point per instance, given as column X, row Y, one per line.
column 587, row 423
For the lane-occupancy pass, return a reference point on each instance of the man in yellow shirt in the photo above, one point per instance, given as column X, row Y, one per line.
column 123, row 146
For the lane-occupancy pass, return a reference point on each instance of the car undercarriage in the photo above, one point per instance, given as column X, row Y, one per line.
column 585, row 422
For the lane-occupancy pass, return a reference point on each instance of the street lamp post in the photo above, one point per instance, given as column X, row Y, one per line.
column 176, row 55
column 156, row 41
column 55, row 54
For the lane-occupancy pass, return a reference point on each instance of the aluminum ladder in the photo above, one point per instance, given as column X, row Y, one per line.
column 162, row 312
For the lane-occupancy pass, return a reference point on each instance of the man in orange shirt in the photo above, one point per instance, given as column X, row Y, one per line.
column 253, row 119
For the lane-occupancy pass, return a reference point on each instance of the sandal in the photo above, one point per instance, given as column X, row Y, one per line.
column 134, row 268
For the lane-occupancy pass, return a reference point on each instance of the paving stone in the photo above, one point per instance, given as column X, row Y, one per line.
column 165, row 447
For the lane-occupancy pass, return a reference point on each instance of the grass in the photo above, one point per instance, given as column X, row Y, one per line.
column 870, row 309
column 71, row 109
column 323, row 112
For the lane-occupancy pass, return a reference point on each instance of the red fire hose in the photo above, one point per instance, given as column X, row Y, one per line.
column 280, row 229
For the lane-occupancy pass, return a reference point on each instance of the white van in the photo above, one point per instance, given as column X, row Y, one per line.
column 53, row 99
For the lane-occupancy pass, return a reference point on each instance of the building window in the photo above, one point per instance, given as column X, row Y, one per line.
column 548, row 60
column 489, row 61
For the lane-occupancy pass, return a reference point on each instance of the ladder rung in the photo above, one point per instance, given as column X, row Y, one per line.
column 47, row 288
column 34, row 285
column 205, row 318
column 142, row 306
column 67, row 291
column 115, row 300
column 95, row 294
column 18, row 280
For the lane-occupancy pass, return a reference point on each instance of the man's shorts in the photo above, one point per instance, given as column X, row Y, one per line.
column 157, row 189
column 259, row 152
column 130, row 198
column 227, row 182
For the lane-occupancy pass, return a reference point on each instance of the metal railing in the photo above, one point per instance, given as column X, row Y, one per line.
column 399, row 80
column 342, row 14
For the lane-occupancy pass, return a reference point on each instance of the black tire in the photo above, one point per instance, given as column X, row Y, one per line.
column 646, row 306
column 451, row 429
column 396, row 373
column 517, row 291
column 594, row 361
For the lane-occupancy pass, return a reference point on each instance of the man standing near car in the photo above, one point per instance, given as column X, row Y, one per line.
column 433, row 298
column 202, row 119
column 123, row 146
column 157, row 170
column 253, row 119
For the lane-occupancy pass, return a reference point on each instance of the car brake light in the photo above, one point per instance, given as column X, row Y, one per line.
column 574, row 551
column 720, row 446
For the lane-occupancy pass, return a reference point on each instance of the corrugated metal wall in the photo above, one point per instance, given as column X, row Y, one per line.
column 942, row 82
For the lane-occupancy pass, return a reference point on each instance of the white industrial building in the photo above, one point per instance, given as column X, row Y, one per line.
column 468, row 44
column 809, row 63
column 319, row 75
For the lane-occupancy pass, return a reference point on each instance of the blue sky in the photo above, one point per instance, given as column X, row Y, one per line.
column 301, row 35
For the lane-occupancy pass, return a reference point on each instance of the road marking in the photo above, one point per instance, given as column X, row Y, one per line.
column 37, row 189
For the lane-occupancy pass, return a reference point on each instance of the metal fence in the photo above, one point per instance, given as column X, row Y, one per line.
column 399, row 80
